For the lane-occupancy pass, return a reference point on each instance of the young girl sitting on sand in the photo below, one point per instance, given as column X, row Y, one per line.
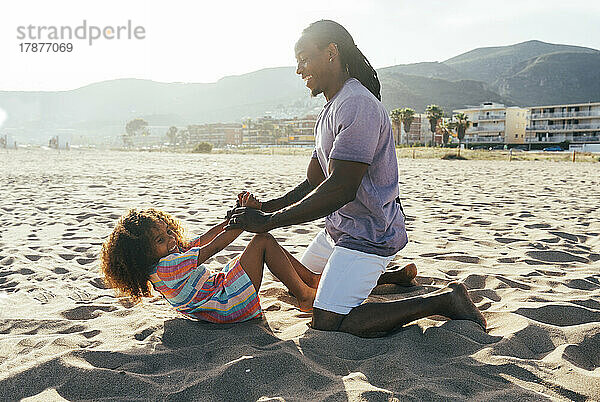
column 147, row 247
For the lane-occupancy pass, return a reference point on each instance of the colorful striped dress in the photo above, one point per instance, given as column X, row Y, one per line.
column 221, row 297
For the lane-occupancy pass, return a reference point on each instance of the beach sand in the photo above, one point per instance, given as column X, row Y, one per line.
column 523, row 236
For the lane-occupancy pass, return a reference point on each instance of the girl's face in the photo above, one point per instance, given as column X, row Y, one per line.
column 162, row 241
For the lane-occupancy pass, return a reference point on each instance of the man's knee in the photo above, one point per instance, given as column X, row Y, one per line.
column 326, row 320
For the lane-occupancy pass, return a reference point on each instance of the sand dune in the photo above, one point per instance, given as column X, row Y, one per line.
column 523, row 236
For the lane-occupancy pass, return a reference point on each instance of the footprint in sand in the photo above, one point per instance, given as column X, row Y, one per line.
column 41, row 295
column 555, row 256
column 538, row 226
column 560, row 315
column 565, row 235
column 474, row 281
column 221, row 259
column 580, row 284
column 98, row 283
column 235, row 248
column 585, row 355
column 86, row 312
column 552, row 240
column 140, row 336
column 506, row 240
column 460, row 258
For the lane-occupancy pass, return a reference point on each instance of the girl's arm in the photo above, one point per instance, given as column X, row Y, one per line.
column 212, row 233
column 217, row 244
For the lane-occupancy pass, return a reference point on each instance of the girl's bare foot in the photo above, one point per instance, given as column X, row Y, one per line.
column 460, row 306
column 306, row 303
column 403, row 277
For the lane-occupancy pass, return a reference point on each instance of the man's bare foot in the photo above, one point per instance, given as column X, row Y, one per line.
column 460, row 306
column 403, row 277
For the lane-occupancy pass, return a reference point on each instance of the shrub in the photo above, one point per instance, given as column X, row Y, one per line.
column 454, row 157
column 202, row 148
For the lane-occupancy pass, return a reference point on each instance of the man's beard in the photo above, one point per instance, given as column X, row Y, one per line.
column 315, row 92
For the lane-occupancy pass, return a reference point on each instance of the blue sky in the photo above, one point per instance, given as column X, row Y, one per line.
column 202, row 41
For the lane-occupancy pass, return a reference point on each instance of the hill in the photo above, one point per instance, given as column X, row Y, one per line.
column 418, row 92
column 553, row 78
column 487, row 64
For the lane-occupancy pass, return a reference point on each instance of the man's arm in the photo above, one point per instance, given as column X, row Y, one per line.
column 314, row 177
column 332, row 194
column 217, row 244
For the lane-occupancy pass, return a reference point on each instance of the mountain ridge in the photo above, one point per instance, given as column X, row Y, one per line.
column 526, row 74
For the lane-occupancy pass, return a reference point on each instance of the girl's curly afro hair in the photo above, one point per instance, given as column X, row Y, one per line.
column 127, row 253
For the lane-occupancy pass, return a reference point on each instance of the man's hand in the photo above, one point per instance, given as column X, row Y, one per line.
column 249, row 219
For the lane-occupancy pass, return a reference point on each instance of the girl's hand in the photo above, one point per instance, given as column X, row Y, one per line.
column 246, row 199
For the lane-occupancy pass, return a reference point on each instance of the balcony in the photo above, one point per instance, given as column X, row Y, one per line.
column 559, row 115
column 492, row 129
column 483, row 117
column 567, row 127
column 574, row 139
column 485, row 139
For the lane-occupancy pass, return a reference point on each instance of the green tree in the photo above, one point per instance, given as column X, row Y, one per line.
column 407, row 115
column 462, row 124
column 134, row 128
column 395, row 116
column 446, row 127
column 434, row 114
column 203, row 148
column 172, row 135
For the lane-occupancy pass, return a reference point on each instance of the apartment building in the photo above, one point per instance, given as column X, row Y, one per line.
column 419, row 132
column 576, row 123
column 494, row 123
column 300, row 131
column 267, row 131
column 218, row 134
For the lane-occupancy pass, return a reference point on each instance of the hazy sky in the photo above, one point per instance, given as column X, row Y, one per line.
column 202, row 41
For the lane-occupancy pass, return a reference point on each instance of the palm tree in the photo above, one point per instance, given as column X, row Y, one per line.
column 407, row 116
column 395, row 116
column 461, row 124
column 446, row 127
column 434, row 114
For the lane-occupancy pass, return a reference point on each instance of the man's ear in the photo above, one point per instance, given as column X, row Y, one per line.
column 333, row 51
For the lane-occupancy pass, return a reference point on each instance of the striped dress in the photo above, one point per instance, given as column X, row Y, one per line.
column 221, row 297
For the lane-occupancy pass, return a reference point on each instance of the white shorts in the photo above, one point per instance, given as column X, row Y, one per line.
column 348, row 276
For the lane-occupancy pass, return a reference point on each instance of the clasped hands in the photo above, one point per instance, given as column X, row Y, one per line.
column 247, row 215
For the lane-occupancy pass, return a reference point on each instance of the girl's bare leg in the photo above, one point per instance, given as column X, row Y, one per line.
column 263, row 248
column 309, row 277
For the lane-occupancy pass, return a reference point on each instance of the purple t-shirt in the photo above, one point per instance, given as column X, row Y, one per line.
column 354, row 126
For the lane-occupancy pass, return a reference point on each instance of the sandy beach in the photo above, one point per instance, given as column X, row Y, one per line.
column 524, row 237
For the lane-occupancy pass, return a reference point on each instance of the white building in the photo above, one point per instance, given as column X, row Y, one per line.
column 495, row 123
column 576, row 123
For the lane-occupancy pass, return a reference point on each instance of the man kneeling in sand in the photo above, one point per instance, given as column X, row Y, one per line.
column 352, row 180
